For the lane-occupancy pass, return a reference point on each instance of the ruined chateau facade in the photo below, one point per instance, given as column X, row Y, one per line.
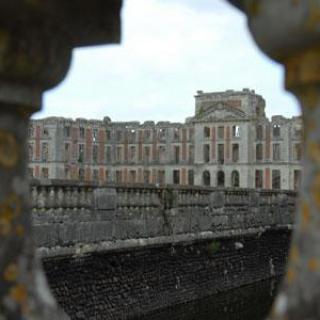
column 229, row 142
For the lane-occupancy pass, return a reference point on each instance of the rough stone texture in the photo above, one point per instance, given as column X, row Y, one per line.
column 81, row 218
column 128, row 284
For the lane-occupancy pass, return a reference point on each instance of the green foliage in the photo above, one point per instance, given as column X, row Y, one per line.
column 213, row 247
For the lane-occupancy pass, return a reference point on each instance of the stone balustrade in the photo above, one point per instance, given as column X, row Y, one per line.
column 69, row 214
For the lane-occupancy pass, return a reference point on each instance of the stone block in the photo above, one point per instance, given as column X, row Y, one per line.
column 105, row 198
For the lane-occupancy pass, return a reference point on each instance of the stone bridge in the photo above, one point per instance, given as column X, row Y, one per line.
column 149, row 248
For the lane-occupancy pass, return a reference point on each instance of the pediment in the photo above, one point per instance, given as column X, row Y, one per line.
column 219, row 111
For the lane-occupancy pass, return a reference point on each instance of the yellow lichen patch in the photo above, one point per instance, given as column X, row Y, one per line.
column 9, row 149
column 316, row 190
column 10, row 273
column 19, row 230
column 313, row 20
column 313, row 151
column 313, row 264
column 291, row 275
column 19, row 294
column 5, row 227
column 305, row 215
column 294, row 254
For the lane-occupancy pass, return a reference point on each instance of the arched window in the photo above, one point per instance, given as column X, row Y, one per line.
column 220, row 179
column 235, row 179
column 206, row 178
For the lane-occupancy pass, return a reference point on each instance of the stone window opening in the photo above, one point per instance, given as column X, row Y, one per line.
column 235, row 179
column 190, row 177
column 220, row 179
column 162, row 134
column 45, row 132
column 107, row 175
column 146, row 176
column 259, row 132
column 191, row 154
column 276, row 179
column 45, row 152
column 66, row 173
column 30, row 151
column 191, row 134
column 259, row 152
column 45, row 173
column 132, row 176
column 95, row 175
column 297, row 152
column 132, row 136
column 206, row 153
column 221, row 153
column 176, row 154
column 95, row 153
column 176, row 176
column 162, row 153
column 108, row 134
column 296, row 179
column 298, row 132
column 146, row 155
column 235, row 152
column 147, row 135
column 206, row 178
column 108, row 154
column 118, row 176
column 276, row 130
column 220, row 132
column 66, row 132
column 119, row 154
column 81, row 174
column 259, row 179
column 176, row 134
column 81, row 153
column 276, row 152
column 206, row 132
column 161, row 177
column 81, row 132
column 66, row 152
column 95, row 135
column 132, row 153
column 119, row 136
column 235, row 131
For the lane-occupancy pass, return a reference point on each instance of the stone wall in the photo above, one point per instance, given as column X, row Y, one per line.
column 138, row 284
column 80, row 218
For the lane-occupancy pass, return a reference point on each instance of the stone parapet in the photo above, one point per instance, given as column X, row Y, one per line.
column 71, row 218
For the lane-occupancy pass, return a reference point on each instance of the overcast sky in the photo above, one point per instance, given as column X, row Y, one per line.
column 169, row 50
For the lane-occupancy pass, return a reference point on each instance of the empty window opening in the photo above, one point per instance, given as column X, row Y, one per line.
column 259, row 132
column 118, row 176
column 81, row 174
column 45, row 152
column 176, row 154
column 259, row 152
column 297, row 179
column 132, row 176
column 206, row 132
column 206, row 153
column 206, row 179
column 259, row 179
column 191, row 154
column 221, row 132
column 220, row 179
column 235, row 152
column 236, row 131
column 176, row 134
column 95, row 153
column 297, row 152
column 161, row 177
column 146, row 176
column 190, row 177
column 276, row 179
column 176, row 176
column 276, row 152
column 221, row 153
column 276, row 130
column 235, row 179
